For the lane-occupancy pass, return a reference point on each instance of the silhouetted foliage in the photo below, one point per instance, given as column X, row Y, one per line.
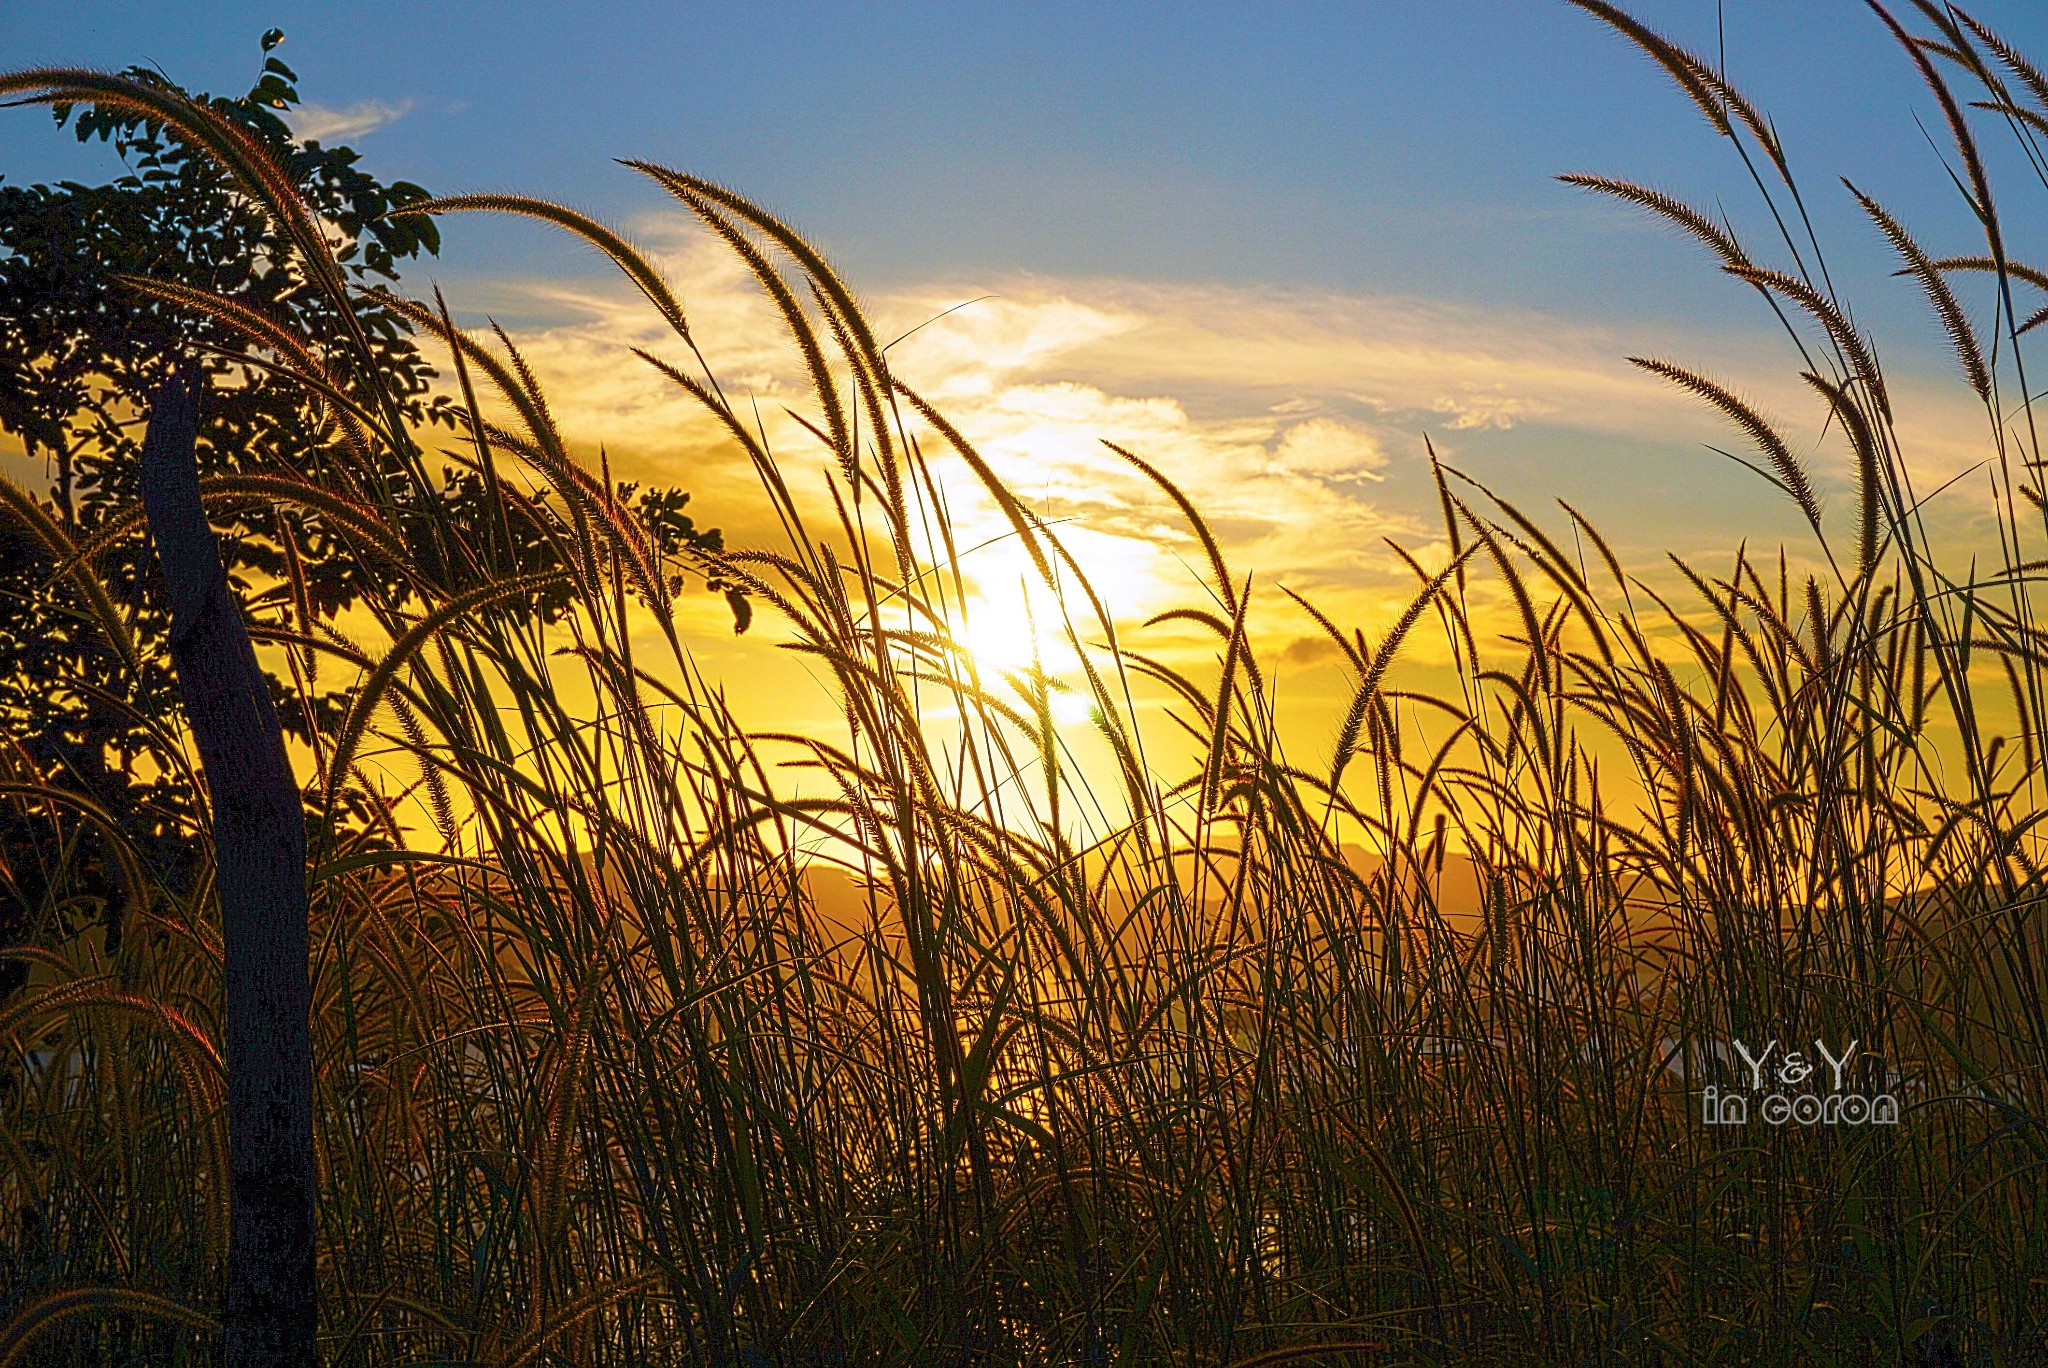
column 81, row 351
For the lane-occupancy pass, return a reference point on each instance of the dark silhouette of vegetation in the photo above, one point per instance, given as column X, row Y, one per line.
column 81, row 351
column 259, row 862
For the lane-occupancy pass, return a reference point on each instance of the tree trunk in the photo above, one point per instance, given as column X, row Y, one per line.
column 259, row 843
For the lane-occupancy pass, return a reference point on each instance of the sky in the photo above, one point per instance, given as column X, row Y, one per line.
column 1270, row 247
column 1365, row 145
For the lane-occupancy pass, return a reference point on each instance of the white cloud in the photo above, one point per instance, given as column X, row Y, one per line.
column 1332, row 450
column 1291, row 419
column 311, row 122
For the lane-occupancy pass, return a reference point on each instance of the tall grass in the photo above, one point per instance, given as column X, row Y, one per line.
column 1152, row 1069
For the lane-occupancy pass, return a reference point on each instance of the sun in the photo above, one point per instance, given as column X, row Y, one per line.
column 1007, row 636
column 1004, row 635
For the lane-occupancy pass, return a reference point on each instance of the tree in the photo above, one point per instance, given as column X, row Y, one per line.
column 259, row 840
column 81, row 353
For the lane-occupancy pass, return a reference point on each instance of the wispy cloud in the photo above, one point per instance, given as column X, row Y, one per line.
column 320, row 122
column 1291, row 419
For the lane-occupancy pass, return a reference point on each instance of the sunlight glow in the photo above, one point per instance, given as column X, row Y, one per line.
column 1008, row 636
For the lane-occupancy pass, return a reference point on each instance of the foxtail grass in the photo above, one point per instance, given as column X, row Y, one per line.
column 672, row 1038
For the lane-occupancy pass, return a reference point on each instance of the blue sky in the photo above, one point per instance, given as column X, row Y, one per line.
column 1365, row 145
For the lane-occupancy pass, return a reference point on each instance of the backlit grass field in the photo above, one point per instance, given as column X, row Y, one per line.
column 656, row 1037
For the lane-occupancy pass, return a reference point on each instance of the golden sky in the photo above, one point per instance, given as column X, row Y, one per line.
column 1293, row 419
